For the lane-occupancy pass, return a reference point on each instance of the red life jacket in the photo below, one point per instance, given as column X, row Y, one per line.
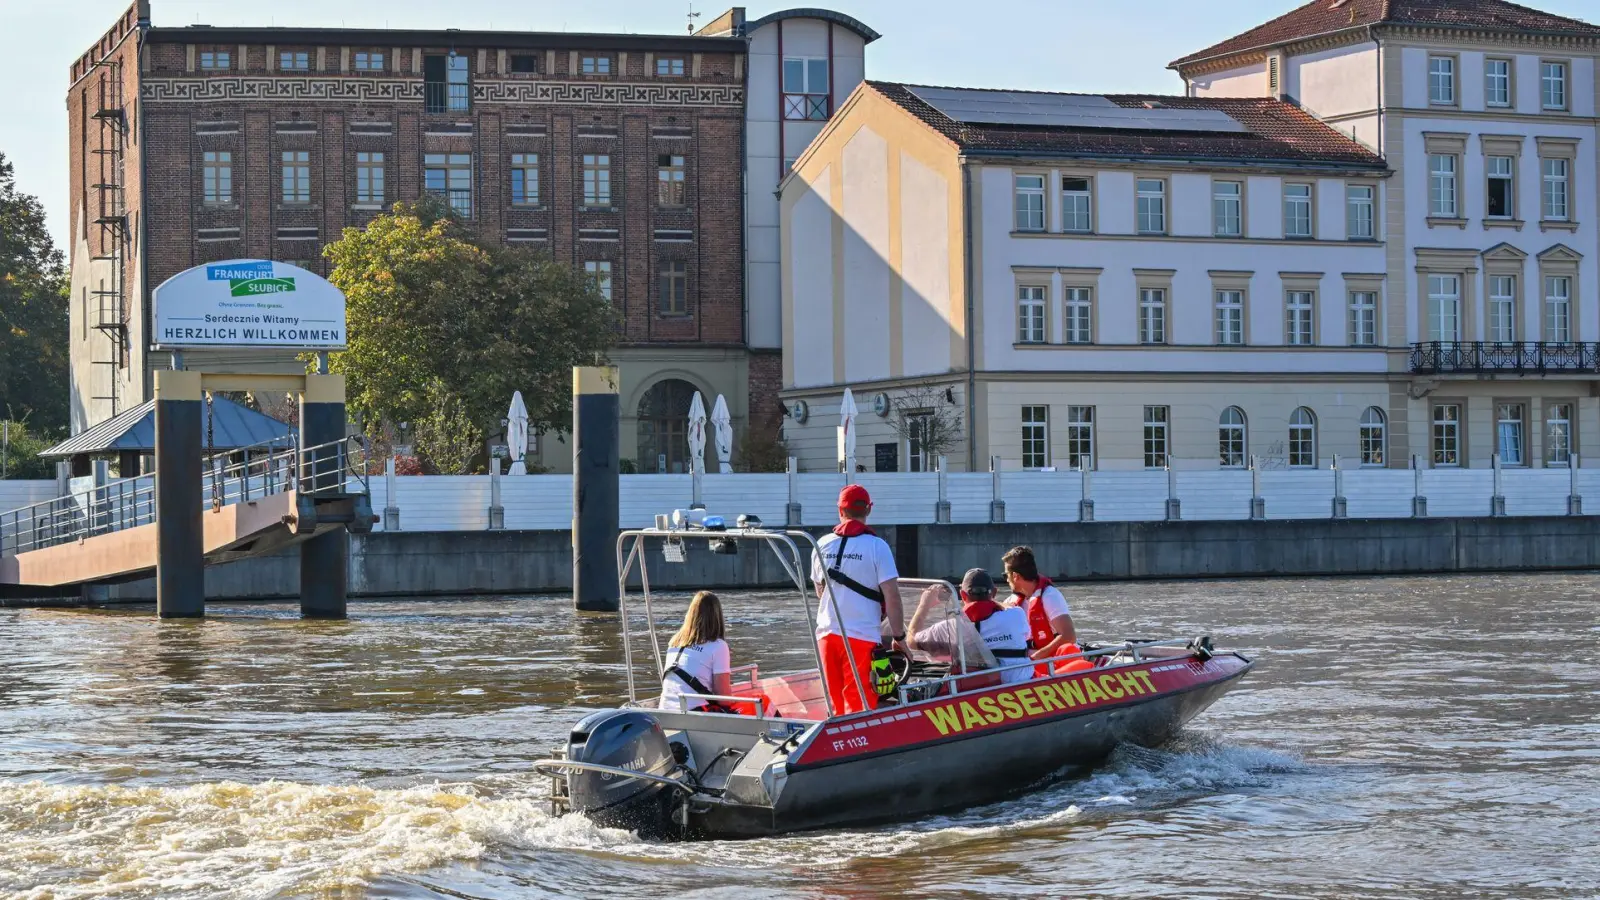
column 1040, row 631
column 980, row 610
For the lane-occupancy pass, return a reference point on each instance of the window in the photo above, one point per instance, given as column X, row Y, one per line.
column 1444, row 307
column 369, row 177
column 217, row 176
column 1230, row 318
column 524, row 179
column 669, row 66
column 1152, row 206
column 1080, row 437
column 1077, row 203
column 296, row 176
column 1359, row 221
column 674, row 287
column 1442, row 80
column 1502, row 177
column 1227, row 210
column 214, row 60
column 1446, row 434
column 1302, row 439
column 1297, row 210
column 1030, row 315
column 1558, row 434
column 1502, row 308
column 1079, row 320
column 669, row 180
column 599, row 272
column 805, row 88
column 524, row 64
column 1558, row 309
column 1441, row 185
column 1035, row 437
column 1553, row 85
column 457, row 88
column 1508, row 434
column 1372, row 439
column 1231, row 438
column 368, row 61
column 294, row 61
column 1497, row 82
column 596, row 179
column 917, row 426
column 449, row 175
column 1555, row 206
column 1299, row 318
column 1152, row 316
column 1155, row 436
column 1030, row 202
column 595, row 65
column 1363, row 318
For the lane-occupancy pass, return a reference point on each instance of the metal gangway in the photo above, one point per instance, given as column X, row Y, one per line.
column 277, row 475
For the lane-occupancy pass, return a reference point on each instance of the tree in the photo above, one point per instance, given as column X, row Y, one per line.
column 443, row 328
column 33, row 313
column 448, row 440
column 927, row 419
column 19, row 452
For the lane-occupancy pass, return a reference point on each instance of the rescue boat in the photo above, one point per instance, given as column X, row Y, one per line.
column 948, row 736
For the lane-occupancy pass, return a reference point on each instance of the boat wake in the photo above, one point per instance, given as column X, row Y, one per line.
column 66, row 842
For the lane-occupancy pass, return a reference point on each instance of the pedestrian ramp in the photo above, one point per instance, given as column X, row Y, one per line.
column 254, row 501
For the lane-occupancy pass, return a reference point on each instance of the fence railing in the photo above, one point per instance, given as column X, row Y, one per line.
column 229, row 477
column 1530, row 357
column 544, row 502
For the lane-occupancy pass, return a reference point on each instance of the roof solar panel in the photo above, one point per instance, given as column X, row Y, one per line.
column 1068, row 111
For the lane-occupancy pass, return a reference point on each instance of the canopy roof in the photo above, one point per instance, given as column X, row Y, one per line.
column 233, row 426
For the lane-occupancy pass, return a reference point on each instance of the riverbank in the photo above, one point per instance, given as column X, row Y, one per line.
column 456, row 563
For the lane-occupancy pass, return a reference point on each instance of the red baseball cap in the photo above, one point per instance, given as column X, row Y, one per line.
column 854, row 496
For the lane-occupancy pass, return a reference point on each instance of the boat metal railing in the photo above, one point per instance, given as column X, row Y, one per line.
column 934, row 689
column 228, row 477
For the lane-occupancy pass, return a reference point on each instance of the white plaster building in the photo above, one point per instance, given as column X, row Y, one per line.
column 1122, row 282
column 1486, row 111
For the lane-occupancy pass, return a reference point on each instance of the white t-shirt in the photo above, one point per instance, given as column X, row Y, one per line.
column 1055, row 605
column 704, row 662
column 1006, row 630
column 869, row 561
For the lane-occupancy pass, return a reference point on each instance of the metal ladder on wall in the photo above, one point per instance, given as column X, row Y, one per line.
column 109, row 311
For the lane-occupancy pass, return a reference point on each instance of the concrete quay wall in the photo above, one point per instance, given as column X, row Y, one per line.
column 531, row 562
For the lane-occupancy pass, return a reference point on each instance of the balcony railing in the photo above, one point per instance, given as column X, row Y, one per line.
column 1521, row 358
column 812, row 107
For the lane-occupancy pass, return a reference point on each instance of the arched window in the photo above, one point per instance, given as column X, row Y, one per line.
column 664, row 427
column 1303, row 439
column 1373, row 437
column 1231, row 438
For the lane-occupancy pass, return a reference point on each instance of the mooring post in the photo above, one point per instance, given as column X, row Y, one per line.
column 596, row 488
column 324, row 559
column 180, row 525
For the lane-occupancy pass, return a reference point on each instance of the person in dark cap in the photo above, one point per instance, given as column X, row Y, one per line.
column 859, row 567
column 1003, row 630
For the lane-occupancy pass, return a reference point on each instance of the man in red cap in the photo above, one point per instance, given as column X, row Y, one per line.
column 860, row 568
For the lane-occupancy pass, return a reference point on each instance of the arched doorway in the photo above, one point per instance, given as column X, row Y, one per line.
column 664, row 426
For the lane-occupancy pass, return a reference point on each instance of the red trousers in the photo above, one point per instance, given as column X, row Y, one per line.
column 836, row 671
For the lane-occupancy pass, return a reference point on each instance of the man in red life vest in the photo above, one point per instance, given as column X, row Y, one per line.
column 860, row 567
column 1050, row 629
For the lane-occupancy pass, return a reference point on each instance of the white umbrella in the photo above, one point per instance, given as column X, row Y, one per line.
column 517, row 434
column 697, row 434
column 847, row 433
column 723, row 424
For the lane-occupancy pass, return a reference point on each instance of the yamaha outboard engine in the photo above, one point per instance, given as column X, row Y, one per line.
column 624, row 739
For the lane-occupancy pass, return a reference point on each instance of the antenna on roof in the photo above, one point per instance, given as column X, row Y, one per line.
column 692, row 16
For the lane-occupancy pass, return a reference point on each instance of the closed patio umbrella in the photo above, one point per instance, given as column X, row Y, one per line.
column 697, row 435
column 847, row 433
column 722, row 423
column 517, row 434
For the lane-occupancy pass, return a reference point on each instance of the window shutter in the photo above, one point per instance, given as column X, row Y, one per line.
column 1272, row 75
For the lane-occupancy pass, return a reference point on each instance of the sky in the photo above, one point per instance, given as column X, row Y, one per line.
column 1069, row 45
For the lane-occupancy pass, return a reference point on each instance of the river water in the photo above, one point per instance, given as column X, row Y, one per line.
column 1401, row 737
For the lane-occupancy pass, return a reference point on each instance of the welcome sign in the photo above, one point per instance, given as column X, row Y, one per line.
column 244, row 303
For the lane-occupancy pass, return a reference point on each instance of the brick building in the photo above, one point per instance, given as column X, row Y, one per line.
column 619, row 154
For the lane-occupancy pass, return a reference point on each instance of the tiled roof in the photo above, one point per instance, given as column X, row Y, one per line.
column 1276, row 132
column 1325, row 16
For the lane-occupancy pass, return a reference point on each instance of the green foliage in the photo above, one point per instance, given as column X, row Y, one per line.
column 21, row 453
column 444, row 328
column 33, row 312
column 447, row 438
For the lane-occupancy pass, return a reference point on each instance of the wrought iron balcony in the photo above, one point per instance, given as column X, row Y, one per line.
column 1519, row 358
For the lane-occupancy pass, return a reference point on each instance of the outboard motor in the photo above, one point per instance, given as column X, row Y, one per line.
column 624, row 739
